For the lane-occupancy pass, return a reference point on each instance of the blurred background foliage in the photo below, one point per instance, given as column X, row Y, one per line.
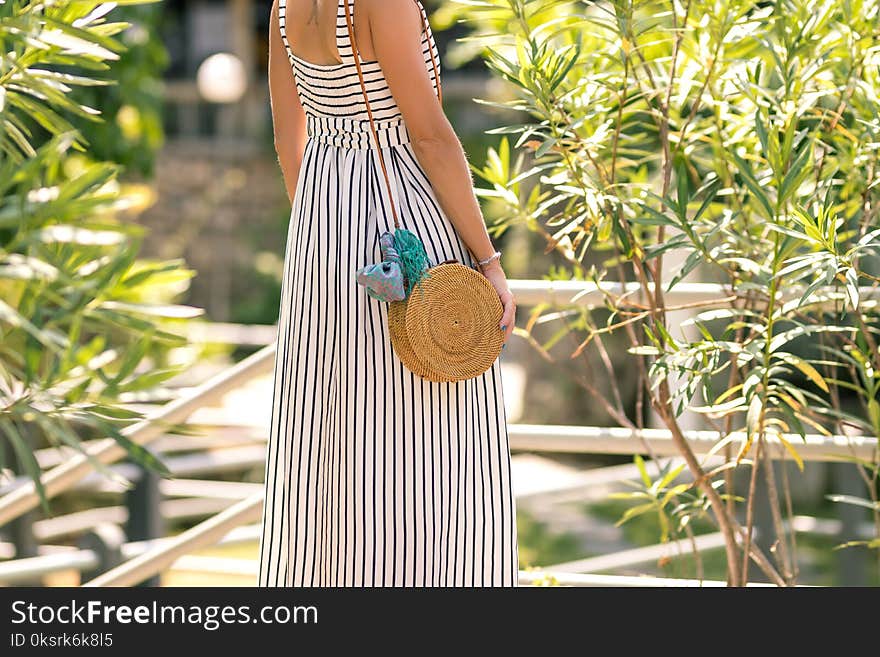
column 132, row 132
column 85, row 324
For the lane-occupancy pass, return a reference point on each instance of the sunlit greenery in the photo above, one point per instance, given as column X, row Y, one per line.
column 131, row 133
column 738, row 140
column 84, row 324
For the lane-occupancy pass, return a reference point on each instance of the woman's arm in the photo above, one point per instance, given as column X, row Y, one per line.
column 288, row 116
column 395, row 31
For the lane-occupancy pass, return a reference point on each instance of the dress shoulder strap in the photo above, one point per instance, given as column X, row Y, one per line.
column 343, row 43
column 348, row 49
column 282, row 22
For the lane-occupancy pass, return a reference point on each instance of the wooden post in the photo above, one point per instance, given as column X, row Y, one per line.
column 106, row 540
column 145, row 520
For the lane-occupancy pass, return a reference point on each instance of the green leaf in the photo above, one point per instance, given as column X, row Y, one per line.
column 643, row 471
column 874, row 414
column 690, row 263
column 798, row 170
column 76, row 393
column 667, row 338
column 664, row 525
column 676, row 242
column 634, row 512
column 141, row 455
column 60, row 433
column 761, row 131
column 683, row 190
column 113, row 412
column 753, row 185
column 134, row 355
column 65, row 234
column 785, row 337
column 671, row 476
column 852, row 287
column 855, row 501
column 791, row 450
column 806, row 368
column 67, row 39
column 674, row 492
column 710, row 191
column 868, row 238
column 49, row 339
column 753, row 419
column 27, row 460
column 644, row 350
column 545, row 147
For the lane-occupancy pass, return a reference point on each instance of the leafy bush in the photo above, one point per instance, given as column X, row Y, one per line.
column 84, row 325
column 739, row 138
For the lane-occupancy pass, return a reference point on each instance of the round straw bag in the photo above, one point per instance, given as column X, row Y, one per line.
column 447, row 327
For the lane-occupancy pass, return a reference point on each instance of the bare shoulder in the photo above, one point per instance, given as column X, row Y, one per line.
column 389, row 10
column 395, row 29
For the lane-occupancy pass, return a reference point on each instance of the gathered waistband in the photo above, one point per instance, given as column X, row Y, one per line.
column 349, row 133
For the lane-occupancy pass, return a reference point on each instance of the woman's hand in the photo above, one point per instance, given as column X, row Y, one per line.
column 495, row 274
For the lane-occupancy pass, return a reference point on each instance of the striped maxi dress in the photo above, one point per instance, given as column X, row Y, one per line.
column 374, row 476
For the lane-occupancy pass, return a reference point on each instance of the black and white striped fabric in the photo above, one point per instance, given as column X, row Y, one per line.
column 374, row 476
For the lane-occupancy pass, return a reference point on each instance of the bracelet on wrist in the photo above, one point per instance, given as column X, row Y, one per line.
column 491, row 258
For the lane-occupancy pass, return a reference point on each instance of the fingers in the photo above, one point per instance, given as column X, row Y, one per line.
column 508, row 317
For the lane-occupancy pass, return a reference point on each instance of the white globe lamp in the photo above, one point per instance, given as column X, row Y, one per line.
column 222, row 78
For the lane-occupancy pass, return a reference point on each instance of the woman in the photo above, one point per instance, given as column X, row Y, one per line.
column 374, row 476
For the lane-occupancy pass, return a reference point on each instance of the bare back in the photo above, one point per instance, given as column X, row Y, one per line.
column 311, row 30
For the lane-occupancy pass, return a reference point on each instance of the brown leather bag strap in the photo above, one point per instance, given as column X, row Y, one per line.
column 357, row 63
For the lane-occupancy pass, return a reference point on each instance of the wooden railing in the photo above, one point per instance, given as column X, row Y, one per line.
column 152, row 560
